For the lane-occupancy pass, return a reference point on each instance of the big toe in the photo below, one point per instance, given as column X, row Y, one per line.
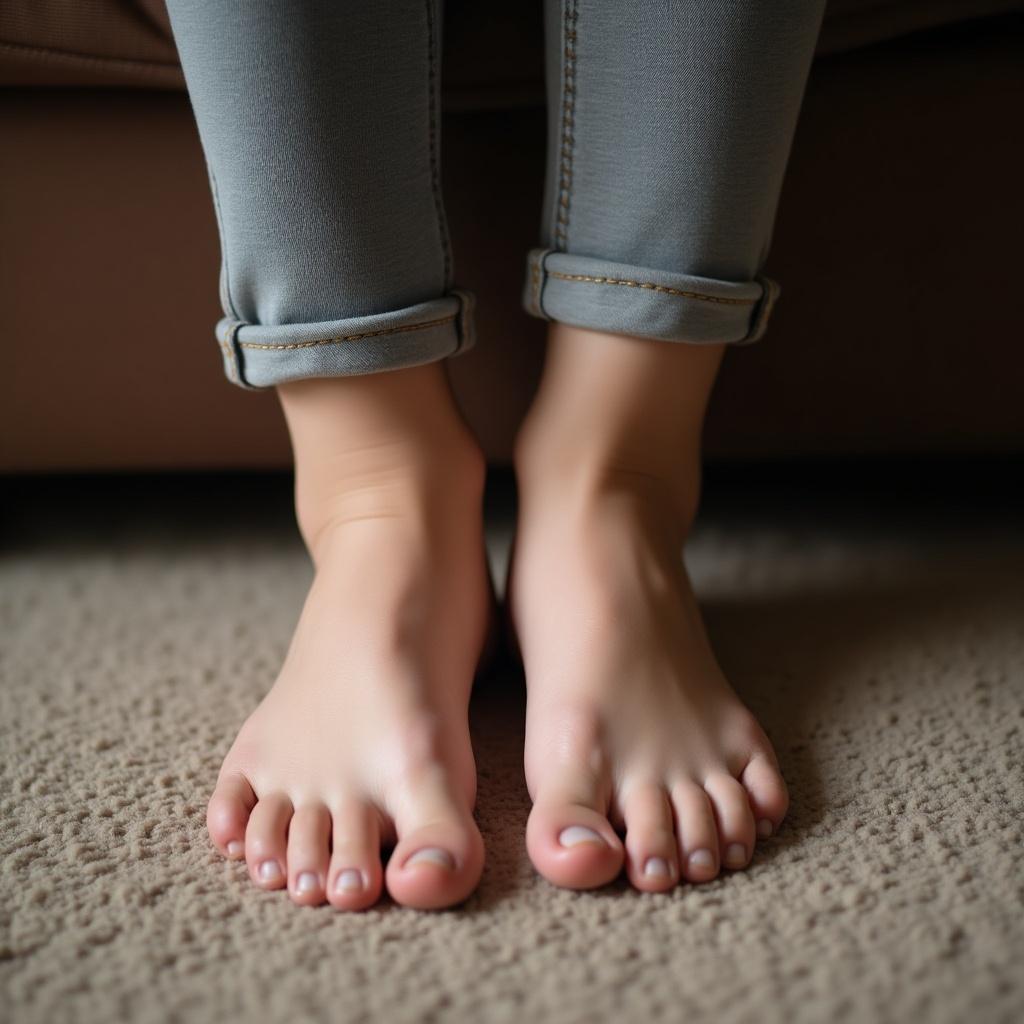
column 573, row 845
column 437, row 863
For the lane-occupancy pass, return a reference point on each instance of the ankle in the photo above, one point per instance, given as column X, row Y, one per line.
column 555, row 472
column 607, row 496
column 386, row 445
column 617, row 412
column 433, row 508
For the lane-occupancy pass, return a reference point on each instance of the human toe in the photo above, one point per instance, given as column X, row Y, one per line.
column 227, row 814
column 266, row 841
column 766, row 792
column 355, row 876
column 308, row 853
column 696, row 831
column 437, row 863
column 651, row 849
column 736, row 827
column 573, row 845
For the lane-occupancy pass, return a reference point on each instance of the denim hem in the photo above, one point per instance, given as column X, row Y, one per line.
column 260, row 356
column 624, row 299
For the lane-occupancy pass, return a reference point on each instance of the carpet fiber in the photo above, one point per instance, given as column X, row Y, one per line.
column 877, row 632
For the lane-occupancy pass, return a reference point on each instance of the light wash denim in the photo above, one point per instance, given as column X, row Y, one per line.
column 669, row 127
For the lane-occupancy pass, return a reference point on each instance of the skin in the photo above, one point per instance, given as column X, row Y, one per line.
column 631, row 725
column 363, row 741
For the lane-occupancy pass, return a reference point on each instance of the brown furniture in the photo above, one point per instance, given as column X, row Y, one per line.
column 896, row 244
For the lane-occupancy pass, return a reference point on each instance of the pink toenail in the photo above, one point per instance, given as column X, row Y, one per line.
column 432, row 855
column 764, row 828
column 702, row 859
column 270, row 871
column 236, row 848
column 307, row 882
column 576, row 834
column 736, row 855
column 349, row 880
column 657, row 867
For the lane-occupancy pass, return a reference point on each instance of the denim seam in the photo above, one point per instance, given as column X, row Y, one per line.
column 766, row 304
column 350, row 337
column 653, row 287
column 226, row 353
column 464, row 326
column 227, row 345
column 568, row 122
column 226, row 300
column 435, row 183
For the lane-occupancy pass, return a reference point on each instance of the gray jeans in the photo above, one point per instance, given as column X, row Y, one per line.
column 669, row 127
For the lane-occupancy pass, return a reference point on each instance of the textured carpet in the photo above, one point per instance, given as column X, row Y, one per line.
column 878, row 631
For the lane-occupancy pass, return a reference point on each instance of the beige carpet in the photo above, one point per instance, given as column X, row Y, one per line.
column 881, row 641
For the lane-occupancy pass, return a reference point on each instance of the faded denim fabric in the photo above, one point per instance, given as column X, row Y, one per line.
column 669, row 127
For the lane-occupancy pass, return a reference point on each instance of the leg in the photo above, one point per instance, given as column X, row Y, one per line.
column 319, row 125
column 669, row 131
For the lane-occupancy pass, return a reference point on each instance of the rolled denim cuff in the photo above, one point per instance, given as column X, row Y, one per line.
column 624, row 299
column 258, row 356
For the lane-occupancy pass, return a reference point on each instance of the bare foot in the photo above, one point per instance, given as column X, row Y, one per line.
column 363, row 739
column 631, row 725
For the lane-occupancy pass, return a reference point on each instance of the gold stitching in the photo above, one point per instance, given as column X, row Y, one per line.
column 350, row 337
column 654, row 288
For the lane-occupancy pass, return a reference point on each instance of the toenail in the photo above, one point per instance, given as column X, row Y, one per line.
column 764, row 828
column 702, row 859
column 432, row 855
column 656, row 867
column 576, row 834
column 270, row 871
column 307, row 882
column 736, row 855
column 349, row 880
column 236, row 848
